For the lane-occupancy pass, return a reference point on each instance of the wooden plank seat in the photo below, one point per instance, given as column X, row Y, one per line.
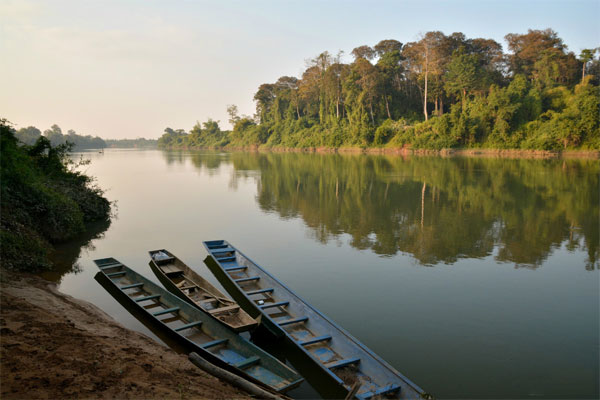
column 292, row 321
column 222, row 250
column 115, row 274
column 379, row 391
column 188, row 326
column 271, row 305
column 342, row 363
column 133, row 285
column 317, row 339
column 109, row 266
column 164, row 260
column 236, row 268
column 214, row 343
column 226, row 259
column 252, row 292
column 247, row 362
column 144, row 298
column 252, row 278
column 223, row 309
column 171, row 269
column 166, row 311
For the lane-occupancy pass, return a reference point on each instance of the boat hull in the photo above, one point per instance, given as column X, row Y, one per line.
column 340, row 358
column 204, row 335
column 236, row 319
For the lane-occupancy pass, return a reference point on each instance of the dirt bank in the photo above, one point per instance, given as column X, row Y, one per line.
column 54, row 346
column 406, row 151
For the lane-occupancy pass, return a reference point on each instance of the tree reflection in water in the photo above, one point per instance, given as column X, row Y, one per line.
column 436, row 209
column 65, row 255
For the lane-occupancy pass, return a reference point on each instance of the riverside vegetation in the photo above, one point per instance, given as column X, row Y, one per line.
column 438, row 92
column 44, row 200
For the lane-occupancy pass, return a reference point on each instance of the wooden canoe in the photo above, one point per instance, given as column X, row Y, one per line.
column 183, row 282
column 197, row 331
column 342, row 359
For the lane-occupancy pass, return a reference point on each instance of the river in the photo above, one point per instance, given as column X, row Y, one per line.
column 474, row 277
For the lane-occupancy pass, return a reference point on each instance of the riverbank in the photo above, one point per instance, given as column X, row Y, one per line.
column 405, row 151
column 55, row 346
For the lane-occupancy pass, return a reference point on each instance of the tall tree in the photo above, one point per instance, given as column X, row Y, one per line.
column 390, row 66
column 585, row 57
column 425, row 60
column 537, row 52
column 364, row 52
column 234, row 118
column 289, row 86
column 264, row 98
column 462, row 75
column 333, row 79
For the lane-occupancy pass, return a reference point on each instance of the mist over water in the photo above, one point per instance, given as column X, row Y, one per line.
column 471, row 276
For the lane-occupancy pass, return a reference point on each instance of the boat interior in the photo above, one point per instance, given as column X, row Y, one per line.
column 302, row 324
column 193, row 325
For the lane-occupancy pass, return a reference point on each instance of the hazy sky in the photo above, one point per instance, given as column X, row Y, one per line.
column 122, row 68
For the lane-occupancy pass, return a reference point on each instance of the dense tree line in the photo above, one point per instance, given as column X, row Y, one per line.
column 56, row 137
column 43, row 200
column 139, row 143
column 440, row 91
column 207, row 134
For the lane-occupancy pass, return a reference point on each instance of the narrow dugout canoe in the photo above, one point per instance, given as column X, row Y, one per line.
column 341, row 358
column 186, row 284
column 197, row 331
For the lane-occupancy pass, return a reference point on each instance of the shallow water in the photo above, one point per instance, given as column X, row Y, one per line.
column 474, row 277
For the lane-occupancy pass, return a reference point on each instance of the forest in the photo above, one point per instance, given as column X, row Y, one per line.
column 441, row 91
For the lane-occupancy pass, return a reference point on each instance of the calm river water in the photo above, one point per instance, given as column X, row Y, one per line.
column 475, row 278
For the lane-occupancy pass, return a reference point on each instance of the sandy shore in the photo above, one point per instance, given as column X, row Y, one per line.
column 54, row 346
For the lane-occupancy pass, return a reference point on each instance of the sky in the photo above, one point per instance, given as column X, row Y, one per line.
column 131, row 68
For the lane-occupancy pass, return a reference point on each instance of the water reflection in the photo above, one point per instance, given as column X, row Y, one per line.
column 66, row 256
column 436, row 209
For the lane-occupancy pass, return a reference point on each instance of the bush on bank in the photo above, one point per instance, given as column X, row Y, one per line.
column 43, row 200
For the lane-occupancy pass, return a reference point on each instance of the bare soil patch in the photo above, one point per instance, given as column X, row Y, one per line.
column 54, row 346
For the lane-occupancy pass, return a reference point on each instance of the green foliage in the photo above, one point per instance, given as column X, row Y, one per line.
column 207, row 134
column 462, row 75
column 577, row 124
column 43, row 200
column 438, row 92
